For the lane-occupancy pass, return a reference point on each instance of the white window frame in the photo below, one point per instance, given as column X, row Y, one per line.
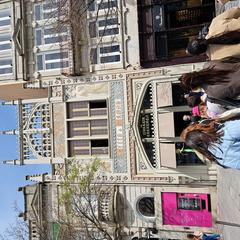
column 6, row 42
column 110, row 65
column 43, row 37
column 105, row 27
column 45, row 62
column 6, row 66
column 6, row 18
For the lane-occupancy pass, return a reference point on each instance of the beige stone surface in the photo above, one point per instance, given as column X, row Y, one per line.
column 59, row 130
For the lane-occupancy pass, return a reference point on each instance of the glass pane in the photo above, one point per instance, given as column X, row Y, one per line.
column 5, row 37
column 108, row 32
column 6, row 62
column 93, row 56
column 99, row 143
column 38, row 37
column 53, row 56
column 107, row 22
column 107, row 5
column 40, row 62
column 5, row 13
column 100, row 151
column 37, row 12
column 91, row 5
column 99, row 123
column 5, row 46
column 6, row 22
column 5, row 70
column 52, row 40
column 189, row 203
column 99, row 131
column 109, row 59
column 186, row 156
column 146, row 206
column 92, row 29
column 98, row 112
column 56, row 65
column 114, row 48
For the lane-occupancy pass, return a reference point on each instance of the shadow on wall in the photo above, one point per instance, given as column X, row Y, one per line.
column 125, row 212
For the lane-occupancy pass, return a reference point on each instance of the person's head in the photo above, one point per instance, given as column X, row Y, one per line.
column 190, row 236
column 197, row 46
column 193, row 101
column 200, row 136
column 193, row 80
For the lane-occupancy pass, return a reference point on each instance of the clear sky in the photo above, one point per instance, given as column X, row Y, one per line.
column 12, row 177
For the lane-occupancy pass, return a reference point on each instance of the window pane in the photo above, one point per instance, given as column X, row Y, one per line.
column 109, row 59
column 52, row 56
column 6, row 62
column 102, row 131
column 38, row 37
column 5, row 46
column 49, row 31
column 97, row 104
column 52, row 40
column 5, row 13
column 99, row 123
column 189, row 203
column 99, row 151
column 91, row 5
column 5, row 70
column 107, row 32
column 99, row 143
column 114, row 48
column 5, row 37
column 107, row 5
column 37, row 12
column 92, row 29
column 6, row 22
column 56, row 65
column 39, row 62
column 146, row 206
column 106, row 22
column 93, row 56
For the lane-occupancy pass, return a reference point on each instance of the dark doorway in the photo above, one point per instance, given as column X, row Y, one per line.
column 165, row 27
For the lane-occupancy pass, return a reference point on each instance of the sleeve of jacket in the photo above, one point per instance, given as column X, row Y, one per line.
column 212, row 237
column 225, row 22
column 220, row 91
column 232, row 129
column 229, row 14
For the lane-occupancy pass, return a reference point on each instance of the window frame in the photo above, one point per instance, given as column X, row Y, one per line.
column 90, row 136
column 139, row 214
column 52, row 61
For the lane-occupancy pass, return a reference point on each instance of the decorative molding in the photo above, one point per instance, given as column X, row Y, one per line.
column 118, row 129
column 68, row 80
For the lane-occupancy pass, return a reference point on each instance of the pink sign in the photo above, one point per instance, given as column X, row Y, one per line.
column 186, row 209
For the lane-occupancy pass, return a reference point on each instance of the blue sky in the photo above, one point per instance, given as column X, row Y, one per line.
column 12, row 177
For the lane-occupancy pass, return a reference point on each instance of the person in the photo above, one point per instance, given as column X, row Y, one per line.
column 217, row 141
column 197, row 235
column 223, row 37
column 208, row 106
column 219, row 80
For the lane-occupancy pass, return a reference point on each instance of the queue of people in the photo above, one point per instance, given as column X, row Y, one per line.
column 213, row 92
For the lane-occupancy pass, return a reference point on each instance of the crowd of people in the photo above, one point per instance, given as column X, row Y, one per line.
column 213, row 92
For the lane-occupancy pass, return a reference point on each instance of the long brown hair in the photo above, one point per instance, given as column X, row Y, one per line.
column 208, row 76
column 201, row 136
